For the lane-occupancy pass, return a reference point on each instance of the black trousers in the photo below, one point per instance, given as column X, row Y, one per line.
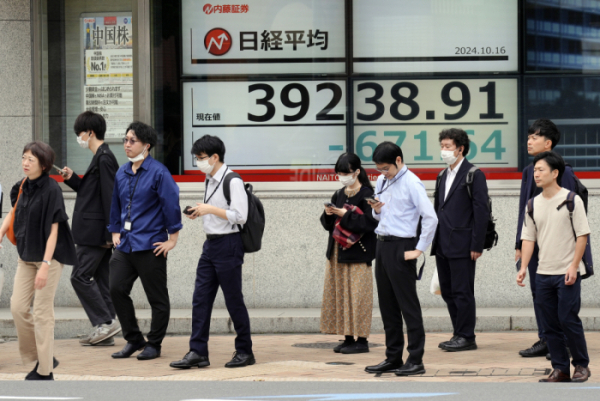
column 220, row 265
column 125, row 268
column 457, row 283
column 90, row 280
column 560, row 305
column 397, row 288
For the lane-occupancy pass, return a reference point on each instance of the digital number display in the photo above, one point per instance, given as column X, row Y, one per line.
column 411, row 113
column 277, row 125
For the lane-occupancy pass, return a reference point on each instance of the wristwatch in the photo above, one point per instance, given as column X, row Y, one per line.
column 47, row 262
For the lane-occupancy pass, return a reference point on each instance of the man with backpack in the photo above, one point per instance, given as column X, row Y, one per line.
column 543, row 136
column 463, row 216
column 222, row 256
column 556, row 221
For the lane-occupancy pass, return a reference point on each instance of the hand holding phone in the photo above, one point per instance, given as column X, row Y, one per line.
column 60, row 170
column 187, row 210
column 371, row 200
column 329, row 204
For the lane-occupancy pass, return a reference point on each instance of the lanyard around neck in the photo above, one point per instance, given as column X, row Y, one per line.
column 217, row 187
column 131, row 194
column 390, row 183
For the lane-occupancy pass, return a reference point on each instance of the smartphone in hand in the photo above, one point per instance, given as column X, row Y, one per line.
column 187, row 210
column 329, row 204
column 371, row 200
column 60, row 170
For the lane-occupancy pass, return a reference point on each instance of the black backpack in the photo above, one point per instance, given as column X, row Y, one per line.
column 252, row 231
column 580, row 190
column 491, row 236
column 570, row 202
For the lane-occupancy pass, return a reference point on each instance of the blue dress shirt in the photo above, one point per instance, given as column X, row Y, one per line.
column 155, row 207
column 405, row 200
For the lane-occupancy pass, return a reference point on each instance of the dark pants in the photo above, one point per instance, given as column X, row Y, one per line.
column 560, row 304
column 397, row 288
column 457, row 283
column 90, row 281
column 532, row 270
column 220, row 265
column 125, row 268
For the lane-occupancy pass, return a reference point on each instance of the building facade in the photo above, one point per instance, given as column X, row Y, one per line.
column 289, row 85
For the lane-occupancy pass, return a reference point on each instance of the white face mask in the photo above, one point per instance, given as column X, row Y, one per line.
column 205, row 166
column 138, row 157
column 82, row 143
column 347, row 180
column 449, row 157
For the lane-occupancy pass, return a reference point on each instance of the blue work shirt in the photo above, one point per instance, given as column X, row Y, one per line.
column 155, row 207
column 405, row 200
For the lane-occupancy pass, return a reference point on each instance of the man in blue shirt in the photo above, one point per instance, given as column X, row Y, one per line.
column 401, row 201
column 543, row 136
column 145, row 220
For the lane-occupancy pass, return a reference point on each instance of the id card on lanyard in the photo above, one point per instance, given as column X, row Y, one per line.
column 127, row 225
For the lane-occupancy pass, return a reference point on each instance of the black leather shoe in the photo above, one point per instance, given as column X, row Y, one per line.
column 148, row 353
column 37, row 376
column 128, row 350
column 343, row 344
column 460, row 344
column 34, row 372
column 409, row 369
column 356, row 348
column 440, row 345
column 540, row 348
column 384, row 366
column 190, row 360
column 240, row 360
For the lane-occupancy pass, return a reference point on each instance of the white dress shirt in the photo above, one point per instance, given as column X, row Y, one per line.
column 237, row 211
column 405, row 200
column 450, row 176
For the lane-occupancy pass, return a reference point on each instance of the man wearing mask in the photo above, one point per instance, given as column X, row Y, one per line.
column 145, row 220
column 459, row 237
column 220, row 264
column 90, row 219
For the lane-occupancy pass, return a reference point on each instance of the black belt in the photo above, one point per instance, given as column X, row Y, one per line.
column 211, row 237
column 386, row 238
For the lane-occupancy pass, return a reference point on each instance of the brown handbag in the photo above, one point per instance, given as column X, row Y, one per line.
column 10, row 234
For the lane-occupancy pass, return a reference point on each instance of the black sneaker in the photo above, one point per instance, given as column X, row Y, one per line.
column 343, row 344
column 540, row 348
column 356, row 348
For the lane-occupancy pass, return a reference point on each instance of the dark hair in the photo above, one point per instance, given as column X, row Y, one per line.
column 349, row 163
column 43, row 152
column 545, row 128
column 554, row 160
column 387, row 152
column 144, row 133
column 90, row 121
column 459, row 137
column 210, row 145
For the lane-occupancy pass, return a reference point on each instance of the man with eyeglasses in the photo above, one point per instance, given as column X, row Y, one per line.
column 90, row 276
column 145, row 220
column 400, row 202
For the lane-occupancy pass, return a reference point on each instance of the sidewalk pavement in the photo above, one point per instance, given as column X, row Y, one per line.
column 279, row 358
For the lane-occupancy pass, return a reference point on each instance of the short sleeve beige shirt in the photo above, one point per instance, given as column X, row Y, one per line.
column 553, row 233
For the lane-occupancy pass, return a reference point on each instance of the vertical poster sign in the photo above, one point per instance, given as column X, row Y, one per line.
column 107, row 44
column 263, row 37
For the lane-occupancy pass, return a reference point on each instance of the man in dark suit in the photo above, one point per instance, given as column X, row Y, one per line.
column 542, row 136
column 90, row 219
column 459, row 237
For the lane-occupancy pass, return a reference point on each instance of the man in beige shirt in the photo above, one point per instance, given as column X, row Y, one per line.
column 561, row 238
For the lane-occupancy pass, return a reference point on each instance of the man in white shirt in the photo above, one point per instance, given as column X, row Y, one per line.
column 560, row 230
column 222, row 257
column 463, row 218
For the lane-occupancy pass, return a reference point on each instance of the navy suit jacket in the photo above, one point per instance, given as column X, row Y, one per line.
column 462, row 221
column 528, row 188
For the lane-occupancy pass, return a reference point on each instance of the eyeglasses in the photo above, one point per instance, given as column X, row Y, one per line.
column 201, row 158
column 383, row 170
column 130, row 140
